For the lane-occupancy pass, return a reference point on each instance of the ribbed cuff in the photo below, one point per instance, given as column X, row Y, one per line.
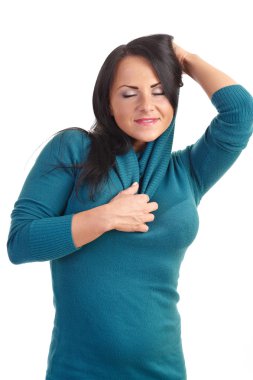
column 51, row 238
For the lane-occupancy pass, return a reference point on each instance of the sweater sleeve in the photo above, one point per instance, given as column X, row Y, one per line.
column 39, row 228
column 228, row 134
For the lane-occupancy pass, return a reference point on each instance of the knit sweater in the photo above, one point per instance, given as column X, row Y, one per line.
column 115, row 298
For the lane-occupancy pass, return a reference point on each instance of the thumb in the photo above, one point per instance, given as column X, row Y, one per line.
column 132, row 189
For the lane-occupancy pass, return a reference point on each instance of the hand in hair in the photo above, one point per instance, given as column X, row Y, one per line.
column 180, row 53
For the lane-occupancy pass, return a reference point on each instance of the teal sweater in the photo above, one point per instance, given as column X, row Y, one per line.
column 116, row 297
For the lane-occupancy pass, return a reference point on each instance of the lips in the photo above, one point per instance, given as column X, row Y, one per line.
column 147, row 121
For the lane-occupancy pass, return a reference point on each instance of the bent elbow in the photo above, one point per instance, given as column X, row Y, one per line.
column 14, row 253
column 18, row 245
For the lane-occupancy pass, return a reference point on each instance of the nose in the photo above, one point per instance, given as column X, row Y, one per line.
column 145, row 103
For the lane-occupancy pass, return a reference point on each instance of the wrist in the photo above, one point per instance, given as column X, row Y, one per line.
column 187, row 60
column 90, row 224
column 106, row 217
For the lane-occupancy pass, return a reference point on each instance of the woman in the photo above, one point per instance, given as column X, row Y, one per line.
column 115, row 287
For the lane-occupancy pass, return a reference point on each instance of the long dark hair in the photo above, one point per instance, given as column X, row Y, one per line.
column 107, row 140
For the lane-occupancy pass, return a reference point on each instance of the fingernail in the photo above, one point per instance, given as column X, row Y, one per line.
column 135, row 183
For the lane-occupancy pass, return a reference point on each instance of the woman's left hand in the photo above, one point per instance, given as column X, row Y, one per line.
column 180, row 53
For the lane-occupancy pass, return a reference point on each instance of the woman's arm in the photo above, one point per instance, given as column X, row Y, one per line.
column 40, row 230
column 90, row 224
column 207, row 76
column 228, row 133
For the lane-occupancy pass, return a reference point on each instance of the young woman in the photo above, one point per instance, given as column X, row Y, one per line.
column 114, row 209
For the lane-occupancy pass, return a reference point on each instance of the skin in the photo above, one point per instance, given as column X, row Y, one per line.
column 129, row 211
column 207, row 76
column 146, row 101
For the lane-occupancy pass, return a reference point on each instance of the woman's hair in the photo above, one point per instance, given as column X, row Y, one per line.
column 107, row 139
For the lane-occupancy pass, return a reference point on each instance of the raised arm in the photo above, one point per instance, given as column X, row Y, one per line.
column 228, row 133
column 207, row 76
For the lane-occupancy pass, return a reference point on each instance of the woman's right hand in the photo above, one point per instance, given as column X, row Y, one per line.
column 130, row 211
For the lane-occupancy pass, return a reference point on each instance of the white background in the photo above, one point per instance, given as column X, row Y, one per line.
column 51, row 52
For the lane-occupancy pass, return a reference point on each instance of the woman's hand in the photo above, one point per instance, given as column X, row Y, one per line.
column 129, row 211
column 209, row 78
column 180, row 53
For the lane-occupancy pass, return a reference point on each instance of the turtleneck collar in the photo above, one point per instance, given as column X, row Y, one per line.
column 146, row 167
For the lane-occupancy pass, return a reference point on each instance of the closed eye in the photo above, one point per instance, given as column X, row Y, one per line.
column 129, row 96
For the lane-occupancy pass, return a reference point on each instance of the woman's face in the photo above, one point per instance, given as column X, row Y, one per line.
column 137, row 101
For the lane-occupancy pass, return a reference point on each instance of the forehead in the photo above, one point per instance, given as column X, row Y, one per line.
column 134, row 69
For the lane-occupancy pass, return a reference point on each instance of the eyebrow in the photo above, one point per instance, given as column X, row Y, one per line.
column 136, row 88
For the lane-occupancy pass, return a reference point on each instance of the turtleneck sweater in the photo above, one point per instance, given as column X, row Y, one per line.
column 116, row 297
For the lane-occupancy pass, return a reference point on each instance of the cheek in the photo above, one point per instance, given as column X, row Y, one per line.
column 123, row 113
column 167, row 110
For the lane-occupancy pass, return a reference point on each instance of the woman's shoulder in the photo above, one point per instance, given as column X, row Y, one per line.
column 69, row 145
column 72, row 136
column 72, row 141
